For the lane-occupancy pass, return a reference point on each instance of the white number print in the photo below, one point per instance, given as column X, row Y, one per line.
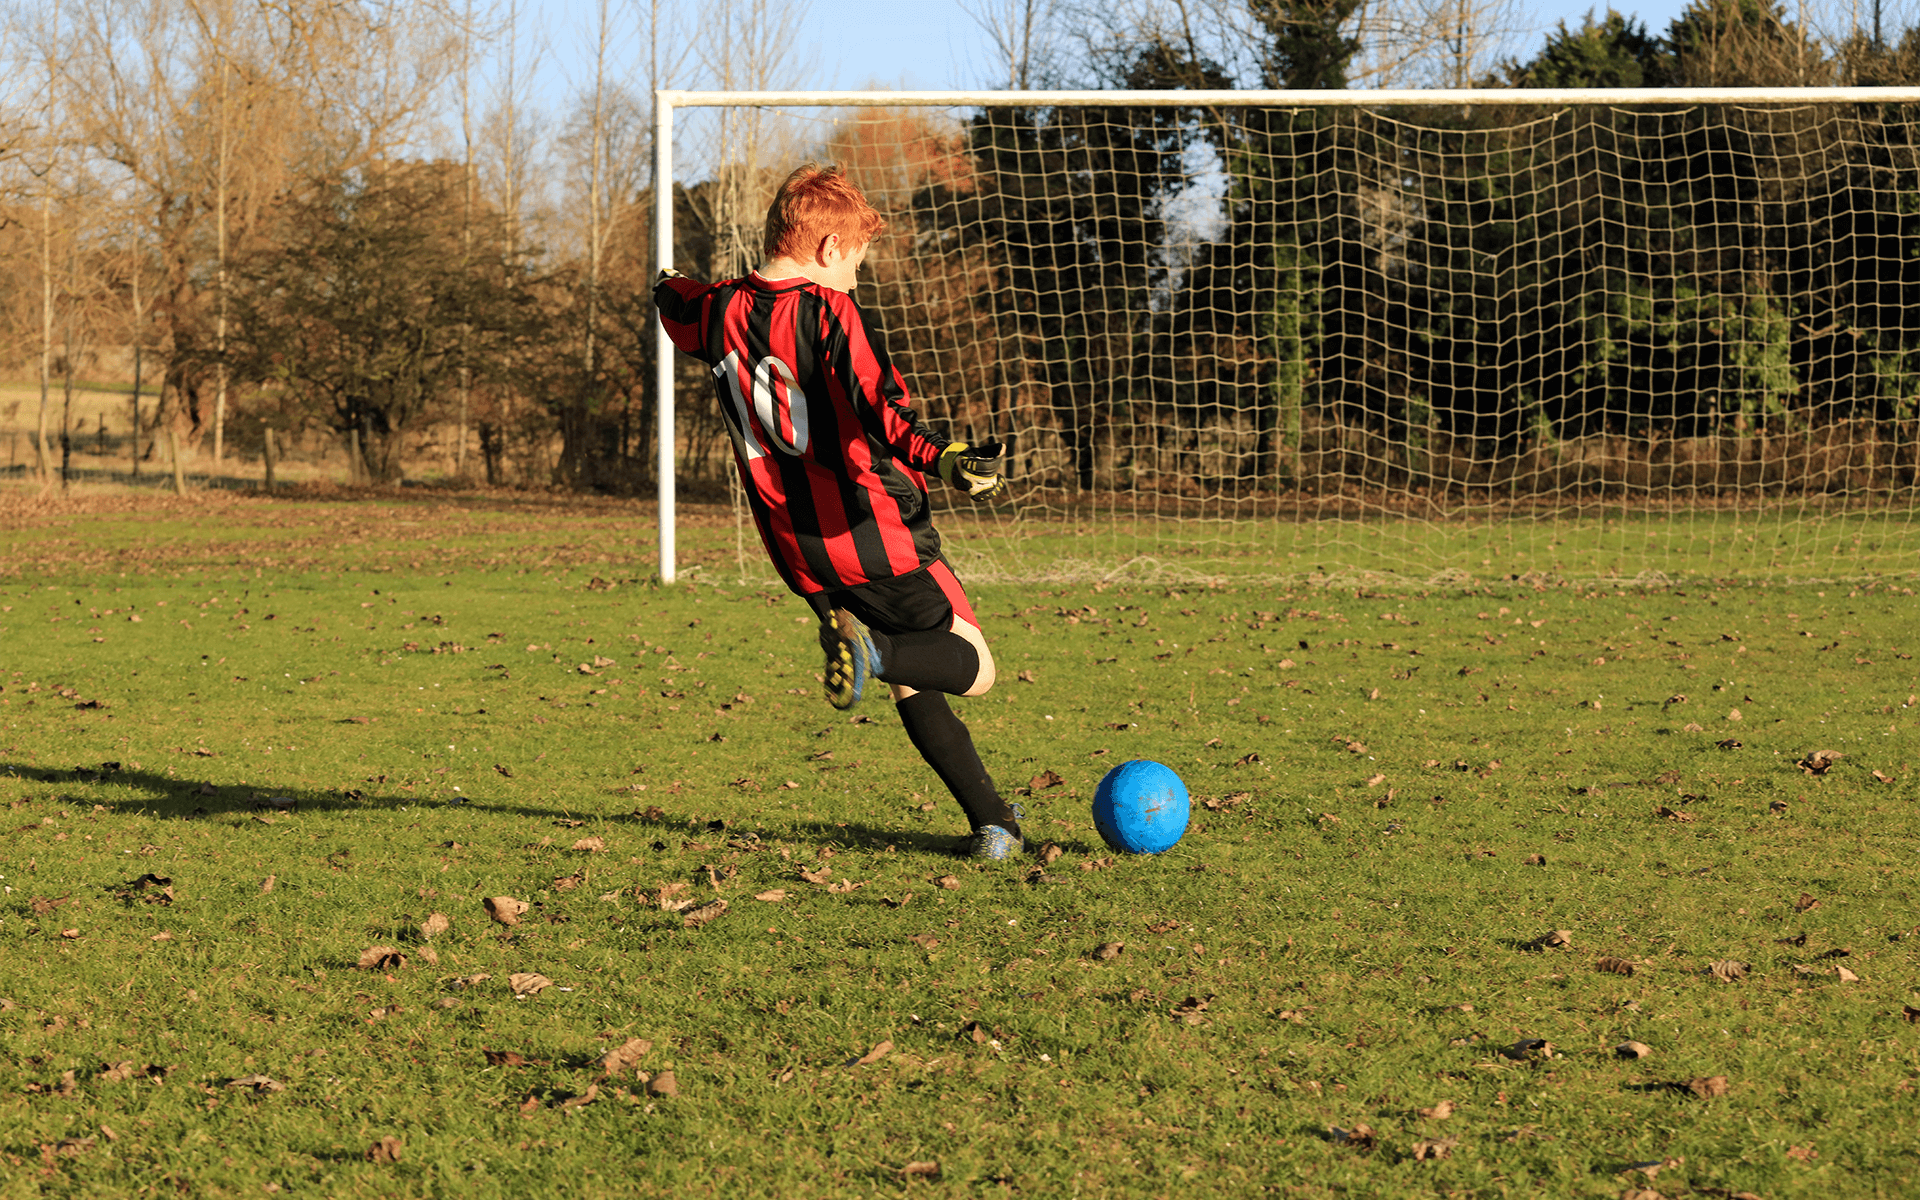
column 776, row 395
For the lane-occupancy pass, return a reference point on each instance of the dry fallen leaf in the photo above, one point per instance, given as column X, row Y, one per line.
column 435, row 925
column 974, row 1032
column 528, row 983
column 1559, row 937
column 663, row 1086
column 1727, row 970
column 624, row 1057
column 510, row 1058
column 118, row 1072
column 504, row 909
column 381, row 958
column 920, row 1170
column 948, row 882
column 386, row 1150
column 772, row 895
column 696, row 917
column 1110, row 950
column 1820, row 761
column 1527, row 1049
column 874, row 1055
column 1050, row 853
column 1632, row 1050
column 844, row 886
column 1805, row 903
column 1360, row 1137
column 591, row 845
column 820, row 876
column 1802, row 1153
column 1045, row 780
column 1438, row 1112
column 1845, row 975
column 260, row 1085
column 1433, row 1150
column 1709, row 1087
column 1614, row 966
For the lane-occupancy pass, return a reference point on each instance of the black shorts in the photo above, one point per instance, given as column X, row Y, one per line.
column 925, row 601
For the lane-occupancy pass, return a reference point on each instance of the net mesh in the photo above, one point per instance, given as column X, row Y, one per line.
column 1594, row 343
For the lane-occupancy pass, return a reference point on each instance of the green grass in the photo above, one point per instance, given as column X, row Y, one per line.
column 409, row 673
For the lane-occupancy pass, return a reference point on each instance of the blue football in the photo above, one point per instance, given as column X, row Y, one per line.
column 1141, row 807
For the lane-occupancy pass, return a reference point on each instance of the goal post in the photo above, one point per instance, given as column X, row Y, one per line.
column 1440, row 336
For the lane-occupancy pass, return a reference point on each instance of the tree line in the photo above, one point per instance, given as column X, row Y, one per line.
column 360, row 220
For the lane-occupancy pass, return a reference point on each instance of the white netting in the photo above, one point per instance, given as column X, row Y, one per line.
column 1627, row 342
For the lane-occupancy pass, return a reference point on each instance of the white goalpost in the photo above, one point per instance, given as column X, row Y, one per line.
column 1435, row 336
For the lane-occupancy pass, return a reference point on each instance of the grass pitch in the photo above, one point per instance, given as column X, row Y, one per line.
column 1450, row 851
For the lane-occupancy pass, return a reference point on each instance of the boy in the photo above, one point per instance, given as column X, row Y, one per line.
column 831, row 458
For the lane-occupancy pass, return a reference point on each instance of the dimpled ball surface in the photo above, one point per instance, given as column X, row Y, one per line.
column 1141, row 807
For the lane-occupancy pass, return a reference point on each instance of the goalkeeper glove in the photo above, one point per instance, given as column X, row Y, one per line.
column 974, row 468
column 667, row 273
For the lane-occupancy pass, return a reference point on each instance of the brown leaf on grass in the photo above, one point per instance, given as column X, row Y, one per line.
column 1438, row 1112
column 64, row 1148
column 1728, row 743
column 624, row 1057
column 1802, row 1153
column 1653, row 1169
column 1167, row 926
column 974, row 1032
column 772, row 895
column 1614, row 966
column 1819, row 762
column 259, row 1085
column 1727, row 970
column 696, row 917
column 511, row 1058
column 664, row 1086
column 1191, row 1009
column 505, row 910
column 590, row 845
column 1428, row 1151
column 948, row 882
column 1911, row 1013
column 1882, row 777
column 1672, row 815
column 844, row 886
column 1109, row 951
column 580, row 1101
column 1845, row 975
column 70, row 934
column 528, row 983
column 1248, row 760
column 1632, row 1050
column 1376, row 780
column 873, row 1056
column 1360, row 1137
column 920, row 1170
column 1025, row 676
column 386, row 1150
column 1693, row 727
column 435, row 925
column 1095, row 864
column 1707, row 1088
column 1044, row 780
column 1805, row 903
column 1050, row 853
column 820, row 876
column 1798, row 939
column 381, row 958
column 1528, row 1049
column 118, row 1072
column 1555, row 939
column 1777, row 807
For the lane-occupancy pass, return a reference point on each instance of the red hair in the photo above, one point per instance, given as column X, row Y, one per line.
column 812, row 204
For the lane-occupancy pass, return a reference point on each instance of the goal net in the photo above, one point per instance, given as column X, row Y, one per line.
column 1348, row 336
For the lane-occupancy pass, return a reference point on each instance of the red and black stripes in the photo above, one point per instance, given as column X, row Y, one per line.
column 828, row 449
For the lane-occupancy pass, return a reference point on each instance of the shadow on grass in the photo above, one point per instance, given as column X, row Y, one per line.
column 174, row 797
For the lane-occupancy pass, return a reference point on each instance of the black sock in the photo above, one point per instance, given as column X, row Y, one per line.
column 928, row 662
column 945, row 743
